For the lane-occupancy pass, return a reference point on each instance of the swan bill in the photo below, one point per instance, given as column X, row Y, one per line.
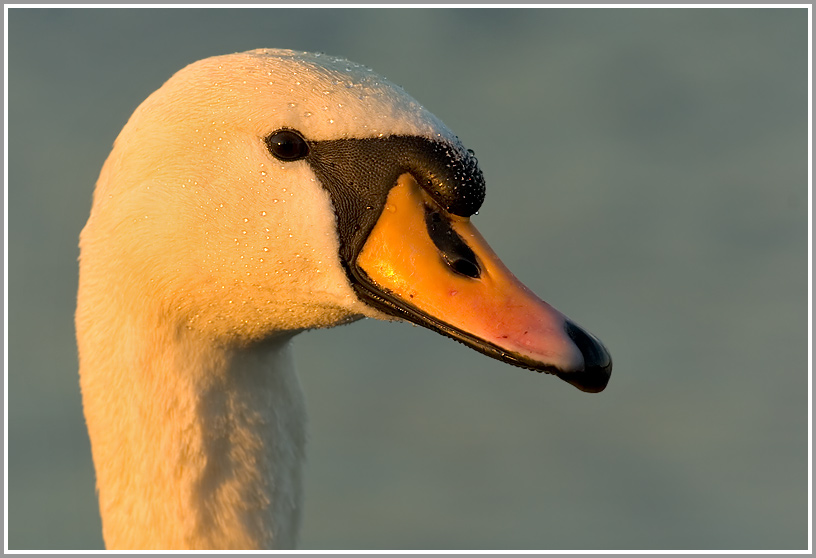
column 425, row 265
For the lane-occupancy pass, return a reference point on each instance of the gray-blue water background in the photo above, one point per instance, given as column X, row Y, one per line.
column 647, row 175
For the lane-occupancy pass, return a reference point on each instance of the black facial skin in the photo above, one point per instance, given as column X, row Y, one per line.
column 359, row 174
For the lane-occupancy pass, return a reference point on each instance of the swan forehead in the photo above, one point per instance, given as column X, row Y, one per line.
column 324, row 97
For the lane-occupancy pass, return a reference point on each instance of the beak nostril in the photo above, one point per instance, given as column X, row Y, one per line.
column 452, row 248
column 465, row 267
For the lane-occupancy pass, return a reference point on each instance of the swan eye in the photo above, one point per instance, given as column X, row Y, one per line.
column 287, row 145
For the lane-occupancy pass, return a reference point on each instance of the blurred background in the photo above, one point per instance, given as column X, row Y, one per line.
column 647, row 175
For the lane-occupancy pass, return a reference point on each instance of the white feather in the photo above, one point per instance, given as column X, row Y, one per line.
column 201, row 258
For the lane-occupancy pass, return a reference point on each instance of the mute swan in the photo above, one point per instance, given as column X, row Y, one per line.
column 254, row 196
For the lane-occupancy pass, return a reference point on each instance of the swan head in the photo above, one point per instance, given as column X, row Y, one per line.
column 274, row 191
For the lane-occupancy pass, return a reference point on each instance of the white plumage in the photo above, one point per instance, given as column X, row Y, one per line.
column 202, row 257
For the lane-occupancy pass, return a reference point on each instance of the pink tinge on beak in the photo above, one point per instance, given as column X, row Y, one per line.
column 475, row 299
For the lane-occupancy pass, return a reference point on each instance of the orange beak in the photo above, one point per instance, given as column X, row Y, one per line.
column 433, row 268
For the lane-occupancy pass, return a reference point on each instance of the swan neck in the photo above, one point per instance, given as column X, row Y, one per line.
column 196, row 444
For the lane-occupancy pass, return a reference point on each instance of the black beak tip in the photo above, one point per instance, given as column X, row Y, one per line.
column 597, row 362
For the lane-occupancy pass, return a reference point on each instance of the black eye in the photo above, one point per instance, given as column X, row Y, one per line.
column 287, row 145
